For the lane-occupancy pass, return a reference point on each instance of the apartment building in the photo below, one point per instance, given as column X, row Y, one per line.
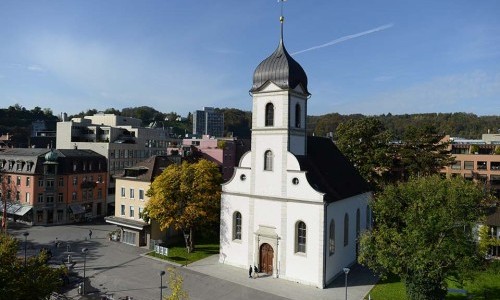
column 130, row 200
column 48, row 186
column 479, row 160
column 122, row 140
column 208, row 121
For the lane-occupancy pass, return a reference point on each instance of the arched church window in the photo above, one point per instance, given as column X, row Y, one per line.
column 237, row 225
column 346, row 229
column 268, row 160
column 297, row 115
column 331, row 240
column 269, row 114
column 301, row 237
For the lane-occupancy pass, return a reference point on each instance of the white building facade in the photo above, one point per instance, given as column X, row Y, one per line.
column 295, row 206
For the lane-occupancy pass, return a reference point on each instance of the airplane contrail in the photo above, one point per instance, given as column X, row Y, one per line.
column 347, row 37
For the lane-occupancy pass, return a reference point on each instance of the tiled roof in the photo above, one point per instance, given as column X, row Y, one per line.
column 329, row 171
column 148, row 169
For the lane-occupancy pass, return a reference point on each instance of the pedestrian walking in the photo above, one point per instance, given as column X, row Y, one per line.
column 90, row 234
column 250, row 272
column 255, row 271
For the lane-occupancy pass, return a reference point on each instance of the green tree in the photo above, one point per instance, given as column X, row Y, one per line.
column 186, row 197
column 36, row 281
column 423, row 233
column 422, row 153
column 366, row 144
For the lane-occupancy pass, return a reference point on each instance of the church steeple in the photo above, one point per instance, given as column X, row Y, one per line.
column 280, row 68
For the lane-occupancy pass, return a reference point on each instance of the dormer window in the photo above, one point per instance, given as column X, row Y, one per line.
column 269, row 114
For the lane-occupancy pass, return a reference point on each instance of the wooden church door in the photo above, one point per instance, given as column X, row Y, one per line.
column 266, row 259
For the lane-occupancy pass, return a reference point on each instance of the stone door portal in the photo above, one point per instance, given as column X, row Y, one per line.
column 266, row 259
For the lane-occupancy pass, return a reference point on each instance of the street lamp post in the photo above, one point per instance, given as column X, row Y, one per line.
column 161, row 284
column 84, row 251
column 25, row 241
column 346, row 271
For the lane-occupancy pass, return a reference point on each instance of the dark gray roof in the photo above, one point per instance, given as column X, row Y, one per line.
column 148, row 169
column 329, row 171
column 281, row 69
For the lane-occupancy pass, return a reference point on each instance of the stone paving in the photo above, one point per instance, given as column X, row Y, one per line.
column 119, row 271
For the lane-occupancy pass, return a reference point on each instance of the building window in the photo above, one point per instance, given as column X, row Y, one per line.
column 297, row 115
column 331, row 240
column 468, row 165
column 237, row 226
column 131, row 192
column 346, row 230
column 18, row 180
column 75, row 181
column 141, row 195
column 300, row 245
column 73, row 196
column 74, row 166
column 268, row 160
column 99, row 194
column 8, row 194
column 269, row 114
column 481, row 165
column 123, row 192
column 18, row 195
column 40, row 198
column 60, row 197
column 59, row 215
column 8, row 179
column 28, row 198
column 40, row 182
column 50, row 199
column 50, row 182
column 131, row 211
column 61, row 181
column 457, row 165
column 122, row 209
column 140, row 212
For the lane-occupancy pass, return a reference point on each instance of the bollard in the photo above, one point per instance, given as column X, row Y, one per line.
column 80, row 289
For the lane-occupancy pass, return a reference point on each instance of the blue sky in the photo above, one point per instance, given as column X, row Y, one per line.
column 370, row 57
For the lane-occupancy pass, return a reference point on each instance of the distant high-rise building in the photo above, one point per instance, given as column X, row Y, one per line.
column 208, row 122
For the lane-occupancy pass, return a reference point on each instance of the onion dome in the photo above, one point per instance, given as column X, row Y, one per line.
column 51, row 156
column 281, row 69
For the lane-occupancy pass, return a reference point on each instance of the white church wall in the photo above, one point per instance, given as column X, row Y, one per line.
column 240, row 182
column 344, row 256
column 268, row 182
column 305, row 268
column 246, row 160
column 231, row 250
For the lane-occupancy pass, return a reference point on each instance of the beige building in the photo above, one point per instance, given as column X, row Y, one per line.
column 122, row 140
column 130, row 200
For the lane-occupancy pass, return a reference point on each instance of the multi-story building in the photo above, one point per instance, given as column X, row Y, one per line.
column 131, row 199
column 208, row 121
column 43, row 186
column 479, row 160
column 225, row 152
column 121, row 140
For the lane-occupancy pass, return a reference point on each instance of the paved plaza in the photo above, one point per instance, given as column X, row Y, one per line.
column 119, row 271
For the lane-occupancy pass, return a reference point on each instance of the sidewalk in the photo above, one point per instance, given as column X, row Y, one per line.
column 360, row 282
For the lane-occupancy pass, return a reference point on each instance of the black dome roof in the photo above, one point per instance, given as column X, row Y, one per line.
column 281, row 69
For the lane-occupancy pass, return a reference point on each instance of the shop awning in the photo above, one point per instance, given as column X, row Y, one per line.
column 23, row 210
column 77, row 209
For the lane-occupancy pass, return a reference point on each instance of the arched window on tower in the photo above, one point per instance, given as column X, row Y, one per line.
column 237, row 226
column 268, row 160
column 269, row 114
column 297, row 115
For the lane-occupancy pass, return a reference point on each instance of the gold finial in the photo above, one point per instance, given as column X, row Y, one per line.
column 282, row 19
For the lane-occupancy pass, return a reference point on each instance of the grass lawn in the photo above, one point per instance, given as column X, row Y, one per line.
column 484, row 286
column 178, row 253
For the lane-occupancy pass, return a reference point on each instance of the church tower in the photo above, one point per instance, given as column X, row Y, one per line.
column 280, row 94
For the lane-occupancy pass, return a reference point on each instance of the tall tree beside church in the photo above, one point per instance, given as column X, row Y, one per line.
column 424, row 234
column 186, row 197
column 421, row 152
column 35, row 281
column 366, row 144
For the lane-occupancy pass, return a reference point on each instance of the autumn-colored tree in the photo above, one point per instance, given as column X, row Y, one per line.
column 36, row 280
column 186, row 197
column 423, row 233
column 175, row 284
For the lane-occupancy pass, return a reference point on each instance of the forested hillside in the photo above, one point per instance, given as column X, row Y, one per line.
column 17, row 120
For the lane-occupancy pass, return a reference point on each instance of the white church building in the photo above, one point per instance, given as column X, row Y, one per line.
column 295, row 205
